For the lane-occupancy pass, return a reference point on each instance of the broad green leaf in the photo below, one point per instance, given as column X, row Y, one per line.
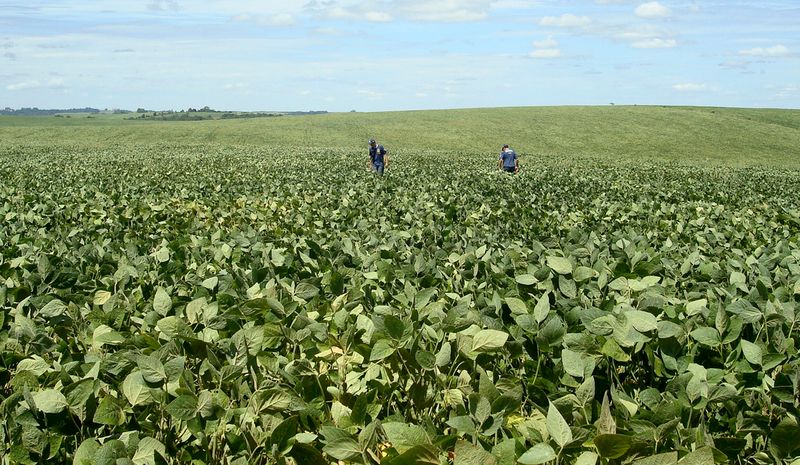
column 49, row 401
column 382, row 349
column 488, row 340
column 417, row 455
column 84, row 454
column 162, row 303
column 696, row 306
column 526, row 279
column 706, row 336
column 560, row 265
column 53, row 309
column 135, row 389
column 587, row 458
column 210, row 283
column 147, row 450
column 101, row 297
column 540, row 453
column 702, row 456
column 517, row 306
column 184, row 407
column 557, row 427
column 104, row 335
column 425, row 359
column 667, row 458
column 542, row 309
column 468, row 454
column 612, row 446
column 109, row 412
column 404, row 436
column 344, row 448
column 573, row 363
column 752, row 352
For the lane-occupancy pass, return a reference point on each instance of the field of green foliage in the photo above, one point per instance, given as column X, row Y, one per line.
column 245, row 292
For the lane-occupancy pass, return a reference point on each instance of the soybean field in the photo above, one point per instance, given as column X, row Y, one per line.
column 246, row 292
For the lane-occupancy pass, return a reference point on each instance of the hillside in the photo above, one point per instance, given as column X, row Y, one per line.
column 627, row 133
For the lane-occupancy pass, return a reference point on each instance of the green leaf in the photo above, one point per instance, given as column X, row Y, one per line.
column 667, row 458
column 696, row 306
column 146, row 451
column 425, row 359
column 184, row 407
column 517, row 306
column 110, row 452
column 542, row 309
column 540, row 453
column 573, row 363
column 417, row 455
column 344, row 448
column 162, row 303
column 706, row 336
column 560, row 265
column 526, row 279
column 462, row 424
column 135, row 389
column 612, row 446
column 468, row 454
column 50, row 401
column 613, row 350
column 84, row 454
column 404, row 436
column 752, row 352
column 382, row 349
column 173, row 326
column 152, row 369
column 557, row 427
column 585, row 392
column 306, row 291
column 104, row 335
column 109, row 412
column 101, row 297
column 488, row 340
column 702, row 456
column 587, row 458
column 307, row 455
column 53, row 309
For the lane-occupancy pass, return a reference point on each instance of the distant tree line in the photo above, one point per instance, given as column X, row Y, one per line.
column 40, row 112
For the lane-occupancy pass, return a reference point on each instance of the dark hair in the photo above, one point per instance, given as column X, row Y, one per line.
column 505, row 146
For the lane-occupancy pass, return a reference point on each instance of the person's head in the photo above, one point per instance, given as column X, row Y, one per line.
column 505, row 147
column 372, row 143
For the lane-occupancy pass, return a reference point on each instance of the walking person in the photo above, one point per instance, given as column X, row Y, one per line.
column 378, row 160
column 508, row 161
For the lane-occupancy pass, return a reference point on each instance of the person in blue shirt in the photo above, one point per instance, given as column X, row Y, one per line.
column 508, row 160
column 378, row 160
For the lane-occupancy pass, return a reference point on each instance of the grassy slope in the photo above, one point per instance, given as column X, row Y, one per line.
column 688, row 135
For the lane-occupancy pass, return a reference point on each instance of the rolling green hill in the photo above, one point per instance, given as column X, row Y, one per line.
column 692, row 135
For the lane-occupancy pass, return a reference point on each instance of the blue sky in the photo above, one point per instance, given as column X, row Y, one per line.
column 374, row 55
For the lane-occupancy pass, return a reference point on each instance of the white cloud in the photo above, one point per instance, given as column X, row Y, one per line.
column 54, row 83
column 655, row 42
column 281, row 19
column 547, row 48
column 565, row 20
column 446, row 11
column 690, row 87
column 788, row 91
column 418, row 10
column 545, row 53
column 652, row 10
column 370, row 94
column 775, row 51
column 546, row 43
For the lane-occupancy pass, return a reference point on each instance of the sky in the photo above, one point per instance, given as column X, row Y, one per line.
column 380, row 55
